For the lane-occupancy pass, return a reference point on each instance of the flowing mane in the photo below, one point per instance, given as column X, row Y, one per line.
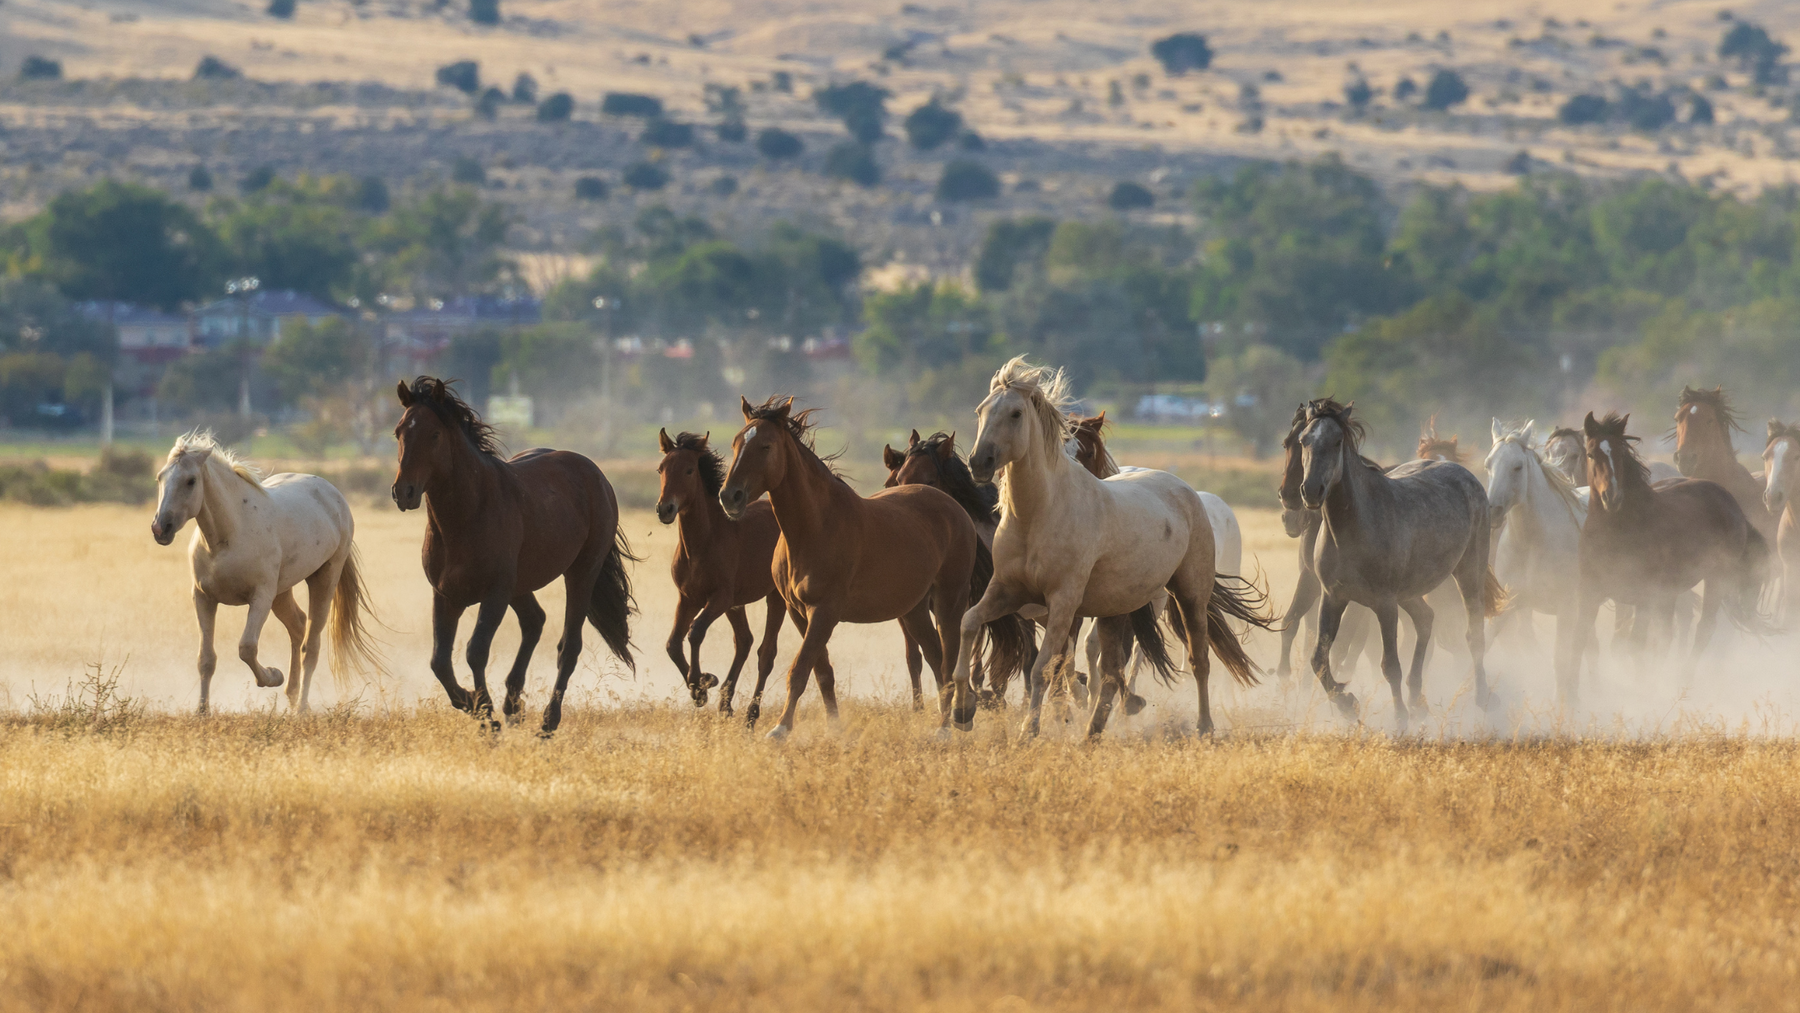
column 1717, row 400
column 1627, row 465
column 1559, row 482
column 1354, row 431
column 1047, row 388
column 203, row 439
column 979, row 500
column 1431, row 446
column 712, row 466
column 798, row 424
column 454, row 411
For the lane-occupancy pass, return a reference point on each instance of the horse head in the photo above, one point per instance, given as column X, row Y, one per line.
column 435, row 427
column 1781, row 465
column 180, row 487
column 1566, row 450
column 921, row 463
column 1509, row 466
column 1023, row 412
column 1612, row 464
column 762, row 452
column 1088, row 446
column 690, row 473
column 1704, row 420
column 1328, row 441
column 1292, row 470
column 1434, row 448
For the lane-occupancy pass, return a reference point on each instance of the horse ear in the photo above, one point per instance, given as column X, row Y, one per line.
column 744, row 403
column 704, row 438
column 947, row 449
column 892, row 458
column 663, row 441
column 1530, row 425
column 1102, row 416
column 1498, row 430
column 786, row 406
column 913, row 440
column 1590, row 426
column 1774, row 427
column 406, row 395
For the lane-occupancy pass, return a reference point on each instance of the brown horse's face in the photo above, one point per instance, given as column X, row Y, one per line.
column 912, row 469
column 1084, row 433
column 1781, row 467
column 1604, row 452
column 1699, row 434
column 679, row 474
column 180, row 491
column 425, row 448
column 760, row 455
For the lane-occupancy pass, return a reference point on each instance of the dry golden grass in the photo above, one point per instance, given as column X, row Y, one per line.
column 388, row 855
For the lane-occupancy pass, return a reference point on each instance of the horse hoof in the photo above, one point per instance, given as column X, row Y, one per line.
column 964, row 726
column 779, row 733
column 1346, row 704
column 275, row 678
column 943, row 734
column 708, row 680
column 546, row 734
column 1134, row 704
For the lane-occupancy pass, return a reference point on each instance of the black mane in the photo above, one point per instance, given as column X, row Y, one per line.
column 1632, row 469
column 1716, row 399
column 798, row 424
column 453, row 411
column 981, row 501
column 1327, row 408
column 712, row 466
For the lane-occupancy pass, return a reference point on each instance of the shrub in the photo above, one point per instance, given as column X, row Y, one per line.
column 484, row 12
column 1358, row 93
column 524, row 90
column 372, row 195
column 861, row 105
column 1129, row 196
column 556, row 109
column 724, row 186
column 38, row 68
column 733, row 131
column 1700, row 111
column 1645, row 111
column 1755, row 51
column 624, row 103
column 1182, row 52
column 281, row 8
column 1581, row 109
column 257, row 179
column 775, row 142
column 1518, row 165
column 488, row 105
column 931, row 125
column 1445, row 90
column 591, row 188
column 646, row 176
column 1404, row 89
column 463, row 75
column 467, row 170
column 668, row 134
column 200, row 179
column 854, row 162
column 211, row 68
column 964, row 179
column 970, row 141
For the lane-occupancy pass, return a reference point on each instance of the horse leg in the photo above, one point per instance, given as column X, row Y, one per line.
column 1709, row 619
column 815, row 632
column 1057, row 624
column 741, row 640
column 698, row 681
column 1587, row 611
column 1352, row 639
column 924, row 640
column 1387, row 614
column 765, row 654
column 260, row 603
column 481, row 641
column 1306, row 595
column 578, row 593
column 287, row 612
column 685, row 610
column 1106, row 668
column 915, row 666
column 444, row 620
column 1423, row 618
column 1331, row 614
column 206, row 612
column 531, row 628
column 1471, row 579
column 321, row 587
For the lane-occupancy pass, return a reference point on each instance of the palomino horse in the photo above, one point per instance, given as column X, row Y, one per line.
column 904, row 553
column 1704, row 421
column 496, row 531
column 719, row 567
column 1080, row 546
column 1781, row 496
column 1539, row 518
column 1644, row 545
column 933, row 461
column 254, row 539
column 1386, row 539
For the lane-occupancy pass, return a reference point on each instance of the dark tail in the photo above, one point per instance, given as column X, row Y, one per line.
column 1744, row 608
column 1149, row 636
column 1242, row 600
column 1494, row 597
column 612, row 606
column 1012, row 647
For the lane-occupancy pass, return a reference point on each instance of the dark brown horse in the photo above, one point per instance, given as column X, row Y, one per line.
column 905, row 553
column 1704, row 422
column 497, row 531
column 720, row 566
column 1643, row 545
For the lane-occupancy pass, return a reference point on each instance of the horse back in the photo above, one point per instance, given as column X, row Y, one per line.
column 551, row 508
column 312, row 523
column 904, row 542
column 1687, row 529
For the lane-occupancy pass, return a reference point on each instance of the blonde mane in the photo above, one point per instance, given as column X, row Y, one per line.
column 1047, row 388
column 203, row 439
column 1559, row 482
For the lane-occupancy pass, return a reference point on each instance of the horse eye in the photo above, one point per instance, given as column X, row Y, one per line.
column 190, row 481
column 690, row 471
column 1017, row 414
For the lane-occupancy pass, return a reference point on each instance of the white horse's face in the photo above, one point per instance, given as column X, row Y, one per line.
column 180, row 490
column 1781, row 465
column 1321, row 460
column 1509, row 475
column 1006, row 425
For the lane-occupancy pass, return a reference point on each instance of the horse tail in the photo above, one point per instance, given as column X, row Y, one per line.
column 351, row 645
column 1012, row 646
column 1744, row 608
column 1149, row 636
column 1239, row 599
column 1495, row 599
column 612, row 606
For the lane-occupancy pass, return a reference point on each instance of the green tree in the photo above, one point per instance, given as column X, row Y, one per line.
column 299, row 237
column 1259, row 388
column 445, row 243
column 924, row 326
column 315, row 360
column 125, row 242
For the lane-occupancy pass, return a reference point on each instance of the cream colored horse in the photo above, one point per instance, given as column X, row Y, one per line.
column 1080, row 546
column 254, row 540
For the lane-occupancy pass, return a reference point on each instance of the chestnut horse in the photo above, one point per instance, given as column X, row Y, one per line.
column 720, row 566
column 1781, row 488
column 1643, row 545
column 904, row 553
column 496, row 531
column 1704, row 421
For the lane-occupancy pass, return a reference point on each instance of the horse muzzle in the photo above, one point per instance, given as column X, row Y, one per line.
column 666, row 511
column 1684, row 461
column 733, row 501
column 1312, row 496
column 1496, row 515
column 407, row 495
column 163, row 533
column 1774, row 501
column 1293, row 521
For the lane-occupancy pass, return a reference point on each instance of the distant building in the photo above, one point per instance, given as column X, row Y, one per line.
column 146, row 335
column 258, row 317
column 422, row 332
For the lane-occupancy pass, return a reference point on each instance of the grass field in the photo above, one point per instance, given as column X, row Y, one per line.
column 383, row 854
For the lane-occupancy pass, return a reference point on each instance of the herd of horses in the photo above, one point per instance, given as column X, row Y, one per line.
column 992, row 562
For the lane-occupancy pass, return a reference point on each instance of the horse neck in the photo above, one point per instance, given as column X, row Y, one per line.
column 1719, row 463
column 462, row 497
column 1360, row 492
column 1541, row 504
column 698, row 524
column 806, row 501
column 221, row 513
column 1032, row 479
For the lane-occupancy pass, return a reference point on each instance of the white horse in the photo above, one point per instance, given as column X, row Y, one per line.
column 1080, row 546
column 255, row 539
column 1781, row 497
column 1539, row 517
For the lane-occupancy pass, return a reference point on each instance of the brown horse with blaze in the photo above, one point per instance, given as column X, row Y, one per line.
column 1704, row 421
column 905, row 553
column 498, row 530
column 720, row 566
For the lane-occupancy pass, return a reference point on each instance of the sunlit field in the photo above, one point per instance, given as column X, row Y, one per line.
column 384, row 853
